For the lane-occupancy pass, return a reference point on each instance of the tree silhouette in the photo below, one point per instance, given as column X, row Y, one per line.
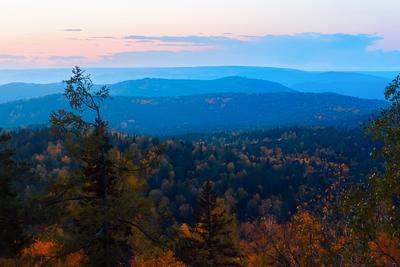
column 211, row 242
column 101, row 198
column 11, row 232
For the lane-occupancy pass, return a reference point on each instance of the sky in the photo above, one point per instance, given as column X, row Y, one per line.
column 304, row 34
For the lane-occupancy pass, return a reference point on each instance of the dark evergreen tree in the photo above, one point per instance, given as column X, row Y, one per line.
column 211, row 242
column 11, row 231
column 102, row 199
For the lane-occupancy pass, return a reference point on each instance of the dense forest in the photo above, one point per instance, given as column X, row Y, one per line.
column 81, row 194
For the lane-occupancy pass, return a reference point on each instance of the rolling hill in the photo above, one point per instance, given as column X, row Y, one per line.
column 151, row 88
column 18, row 91
column 359, row 84
column 345, row 83
column 183, row 87
column 206, row 113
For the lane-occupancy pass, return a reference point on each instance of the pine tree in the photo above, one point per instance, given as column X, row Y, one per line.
column 11, row 232
column 101, row 200
column 211, row 242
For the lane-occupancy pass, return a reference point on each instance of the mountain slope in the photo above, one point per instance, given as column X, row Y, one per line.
column 151, row 88
column 206, row 113
column 345, row 83
column 17, row 91
column 179, row 87
column 114, row 75
column 360, row 84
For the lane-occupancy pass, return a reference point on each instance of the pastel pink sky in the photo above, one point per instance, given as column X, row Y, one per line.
column 58, row 33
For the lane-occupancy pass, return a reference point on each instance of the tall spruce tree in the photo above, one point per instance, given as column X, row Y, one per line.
column 211, row 242
column 11, row 232
column 100, row 202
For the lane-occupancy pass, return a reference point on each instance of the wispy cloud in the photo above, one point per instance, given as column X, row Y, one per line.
column 194, row 39
column 72, row 30
column 11, row 61
column 181, row 45
column 66, row 58
column 141, row 41
column 312, row 51
column 104, row 37
column 11, row 57
column 306, row 50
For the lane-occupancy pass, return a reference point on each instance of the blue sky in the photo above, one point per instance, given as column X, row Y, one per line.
column 305, row 51
column 306, row 34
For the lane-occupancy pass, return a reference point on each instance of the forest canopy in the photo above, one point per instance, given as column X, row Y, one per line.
column 81, row 194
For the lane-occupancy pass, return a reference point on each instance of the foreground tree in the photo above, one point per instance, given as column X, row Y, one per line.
column 98, row 205
column 375, row 205
column 11, row 232
column 213, row 241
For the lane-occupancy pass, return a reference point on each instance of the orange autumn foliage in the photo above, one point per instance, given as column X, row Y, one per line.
column 46, row 251
column 40, row 248
column 167, row 259
column 303, row 241
column 385, row 250
column 184, row 230
column 308, row 238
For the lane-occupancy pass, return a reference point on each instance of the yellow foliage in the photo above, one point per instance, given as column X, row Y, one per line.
column 165, row 260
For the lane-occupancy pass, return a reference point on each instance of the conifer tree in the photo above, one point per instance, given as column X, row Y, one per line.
column 211, row 242
column 101, row 200
column 11, row 203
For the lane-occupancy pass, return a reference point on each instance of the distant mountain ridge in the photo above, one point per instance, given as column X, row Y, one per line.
column 359, row 84
column 151, row 87
column 201, row 80
column 206, row 113
column 18, row 91
column 345, row 83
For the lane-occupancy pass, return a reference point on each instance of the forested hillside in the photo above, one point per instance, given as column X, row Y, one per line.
column 260, row 173
column 205, row 113
column 82, row 194
column 151, row 87
column 359, row 84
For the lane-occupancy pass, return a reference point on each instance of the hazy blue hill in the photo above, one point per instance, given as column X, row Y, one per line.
column 206, row 113
column 114, row 75
column 18, row 91
column 359, row 84
column 151, row 88
column 170, row 87
column 385, row 74
column 345, row 83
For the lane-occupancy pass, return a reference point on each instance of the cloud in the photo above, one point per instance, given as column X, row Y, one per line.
column 11, row 57
column 182, row 44
column 249, row 36
column 103, row 37
column 314, row 51
column 66, row 58
column 72, row 30
column 310, row 51
column 142, row 41
column 194, row 39
column 11, row 61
